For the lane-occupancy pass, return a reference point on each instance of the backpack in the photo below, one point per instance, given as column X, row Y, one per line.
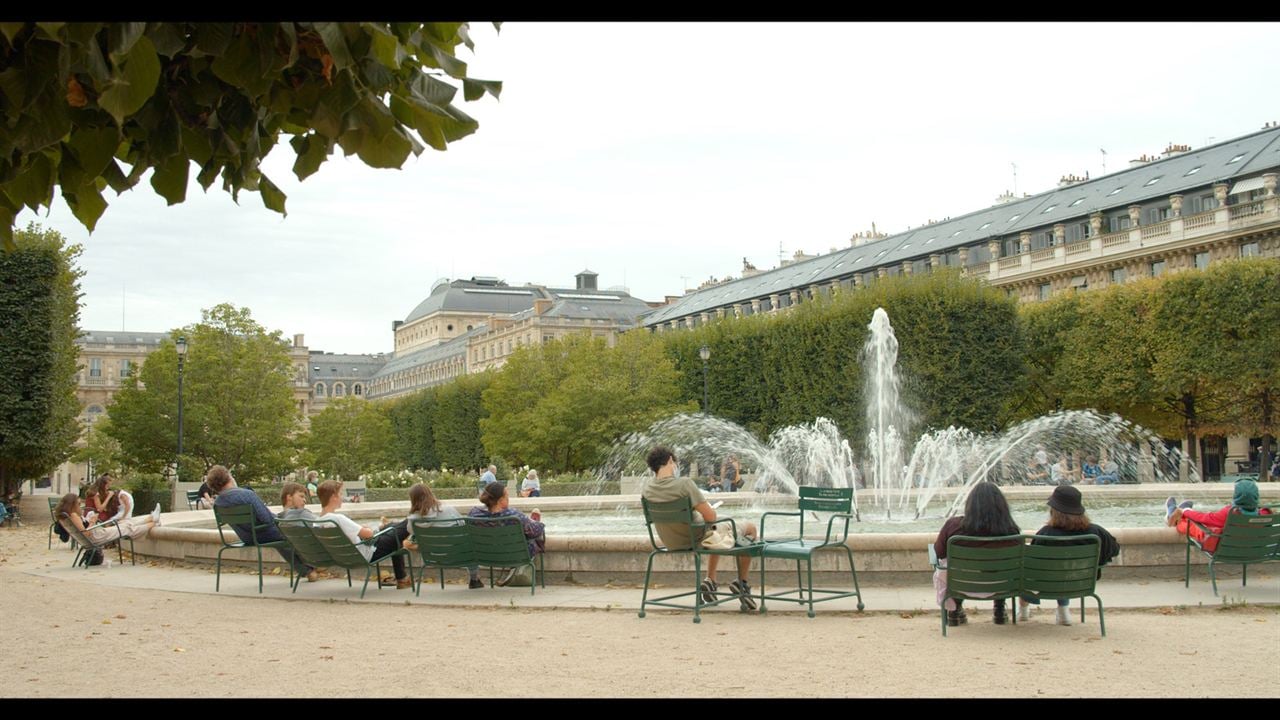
column 92, row 557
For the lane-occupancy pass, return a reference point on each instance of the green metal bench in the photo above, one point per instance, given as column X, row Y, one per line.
column 243, row 515
column 305, row 544
column 87, row 546
column 812, row 499
column 475, row 542
column 346, row 554
column 1244, row 541
column 679, row 512
column 1050, row 568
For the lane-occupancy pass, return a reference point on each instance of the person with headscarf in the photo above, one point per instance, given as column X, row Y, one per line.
column 1244, row 501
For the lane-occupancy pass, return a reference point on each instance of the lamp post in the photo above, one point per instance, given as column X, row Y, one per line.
column 705, row 353
column 182, row 355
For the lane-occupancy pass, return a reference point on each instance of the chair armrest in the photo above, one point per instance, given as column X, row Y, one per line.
column 831, row 523
column 933, row 556
column 373, row 538
column 780, row 514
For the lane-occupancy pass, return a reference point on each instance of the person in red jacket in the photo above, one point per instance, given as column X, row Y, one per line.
column 1244, row 501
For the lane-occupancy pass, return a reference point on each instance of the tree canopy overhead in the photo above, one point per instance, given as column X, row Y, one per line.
column 88, row 106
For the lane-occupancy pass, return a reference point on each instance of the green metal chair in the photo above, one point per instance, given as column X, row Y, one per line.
column 443, row 544
column 1062, row 568
column 812, row 499
column 680, row 512
column 243, row 515
column 87, row 546
column 346, row 554
column 501, row 543
column 192, row 497
column 53, row 525
column 977, row 571
column 1244, row 540
column 304, row 543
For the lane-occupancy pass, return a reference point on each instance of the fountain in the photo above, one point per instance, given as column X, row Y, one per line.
column 900, row 480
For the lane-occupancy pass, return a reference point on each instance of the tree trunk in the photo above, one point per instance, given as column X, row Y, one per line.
column 1264, row 459
column 1193, row 444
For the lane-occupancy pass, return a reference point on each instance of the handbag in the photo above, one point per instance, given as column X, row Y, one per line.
column 717, row 539
column 518, row 577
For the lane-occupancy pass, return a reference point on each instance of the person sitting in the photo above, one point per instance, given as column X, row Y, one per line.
column 986, row 514
column 667, row 486
column 120, row 507
column 1037, row 472
column 312, row 485
column 230, row 495
column 68, row 513
column 496, row 505
column 205, row 497
column 293, row 503
column 1067, row 517
column 330, row 492
column 1089, row 470
column 1244, row 500
column 531, row 486
column 1108, row 473
column 423, row 505
column 1060, row 474
column 96, row 498
column 714, row 485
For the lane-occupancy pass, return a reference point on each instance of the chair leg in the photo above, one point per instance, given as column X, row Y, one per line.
column 697, row 587
column 1102, row 620
column 1244, row 574
column 442, row 577
column 800, row 582
column 366, row 581
column 1186, row 573
column 810, row 586
column 762, row 585
column 217, row 582
column 644, row 597
column 854, row 572
column 1213, row 577
column 259, row 568
column 349, row 577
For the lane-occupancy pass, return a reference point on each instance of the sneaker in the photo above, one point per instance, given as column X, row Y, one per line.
column 956, row 618
column 155, row 514
column 1063, row 616
column 1185, row 505
column 708, row 590
column 475, row 584
column 1024, row 611
column 743, row 591
column 1169, row 506
column 998, row 615
column 404, row 584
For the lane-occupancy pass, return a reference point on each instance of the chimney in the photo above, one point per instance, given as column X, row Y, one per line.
column 1172, row 150
column 297, row 341
column 1005, row 197
column 395, row 325
column 541, row 305
column 1072, row 179
column 1139, row 162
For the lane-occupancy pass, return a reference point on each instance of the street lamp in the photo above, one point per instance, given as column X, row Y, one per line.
column 182, row 355
column 705, row 353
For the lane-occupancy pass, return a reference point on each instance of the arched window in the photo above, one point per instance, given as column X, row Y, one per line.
column 339, row 389
column 320, row 389
column 357, row 389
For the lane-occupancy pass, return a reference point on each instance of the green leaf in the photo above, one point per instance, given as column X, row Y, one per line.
column 312, row 151
column 115, row 177
column 450, row 64
column 14, row 87
column 134, row 84
column 51, row 29
column 331, row 34
column 6, row 230
column 33, row 185
column 475, row 89
column 86, row 204
column 121, row 37
column 272, row 198
column 166, row 38
column 196, row 144
column 385, row 47
column 213, row 38
column 94, row 148
column 208, row 173
column 170, row 178
column 240, row 66
column 426, row 88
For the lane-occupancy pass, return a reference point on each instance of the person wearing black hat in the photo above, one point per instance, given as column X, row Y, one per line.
column 1067, row 517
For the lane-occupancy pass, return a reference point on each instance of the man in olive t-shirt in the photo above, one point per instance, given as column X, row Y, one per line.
column 666, row 486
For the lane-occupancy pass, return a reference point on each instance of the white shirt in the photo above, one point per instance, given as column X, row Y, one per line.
column 531, row 483
column 352, row 530
column 125, row 509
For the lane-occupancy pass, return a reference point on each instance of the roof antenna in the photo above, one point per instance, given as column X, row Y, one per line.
column 1104, row 160
column 1015, row 178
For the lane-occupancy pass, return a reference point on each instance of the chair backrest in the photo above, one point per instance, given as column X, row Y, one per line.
column 674, row 512
column 444, row 542
column 81, row 538
column 236, row 515
column 499, row 541
column 53, row 506
column 975, row 569
column 1250, row 538
column 340, row 548
column 823, row 499
column 192, row 497
column 302, row 540
column 1061, row 566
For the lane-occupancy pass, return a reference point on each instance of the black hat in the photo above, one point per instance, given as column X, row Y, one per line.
column 1066, row 499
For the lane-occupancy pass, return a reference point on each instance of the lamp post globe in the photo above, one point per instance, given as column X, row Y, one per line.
column 704, row 352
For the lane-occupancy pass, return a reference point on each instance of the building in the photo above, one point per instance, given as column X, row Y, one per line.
column 469, row 326
column 1183, row 210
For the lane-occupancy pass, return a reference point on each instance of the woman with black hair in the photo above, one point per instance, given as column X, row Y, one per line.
column 986, row 514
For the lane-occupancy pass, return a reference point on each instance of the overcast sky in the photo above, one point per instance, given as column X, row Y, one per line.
column 660, row 154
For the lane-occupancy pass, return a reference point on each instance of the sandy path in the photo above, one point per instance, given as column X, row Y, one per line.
column 167, row 642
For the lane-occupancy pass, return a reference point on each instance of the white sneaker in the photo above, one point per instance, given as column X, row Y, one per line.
column 1024, row 612
column 155, row 514
column 1064, row 616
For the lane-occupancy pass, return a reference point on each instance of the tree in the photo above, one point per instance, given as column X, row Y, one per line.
column 237, row 400
column 456, row 421
column 78, row 99
column 413, row 441
column 1045, row 329
column 39, row 309
column 561, row 404
column 101, row 451
column 349, row 438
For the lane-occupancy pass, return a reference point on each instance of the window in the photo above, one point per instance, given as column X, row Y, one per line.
column 1202, row 260
column 1152, row 181
column 1119, row 275
column 319, row 389
column 339, row 390
column 956, row 233
column 1193, row 171
column 95, row 367
column 1249, row 249
column 1236, row 159
column 1113, row 192
column 1076, row 202
column 1078, row 231
column 124, row 368
column 1015, row 217
column 985, row 225
column 1157, row 268
column 1044, row 290
column 449, row 328
column 1119, row 222
column 1161, row 214
column 1203, row 203
column 1042, row 240
column 1049, row 209
column 1010, row 246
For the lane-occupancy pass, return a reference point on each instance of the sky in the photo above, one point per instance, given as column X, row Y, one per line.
column 661, row 154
